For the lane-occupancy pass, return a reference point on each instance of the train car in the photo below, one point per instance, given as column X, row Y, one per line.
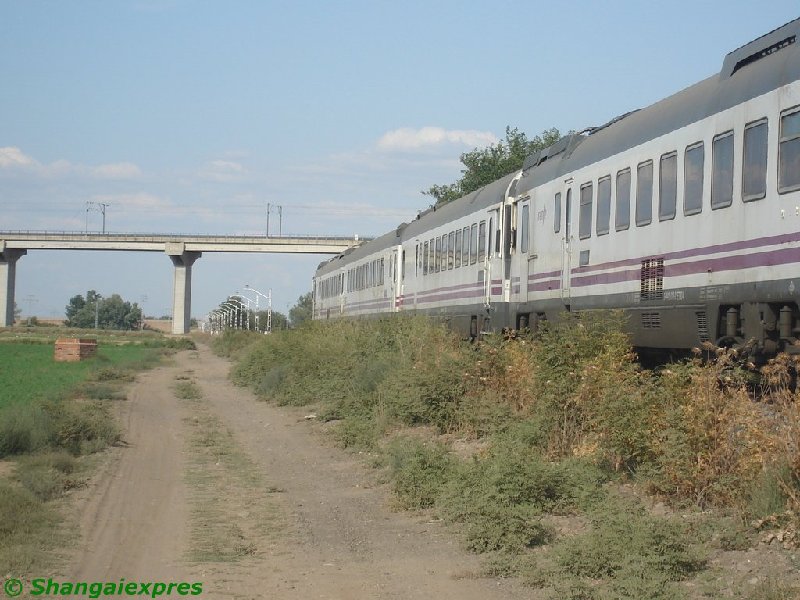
column 685, row 214
column 362, row 281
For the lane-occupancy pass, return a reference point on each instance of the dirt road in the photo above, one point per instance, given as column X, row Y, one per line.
column 253, row 502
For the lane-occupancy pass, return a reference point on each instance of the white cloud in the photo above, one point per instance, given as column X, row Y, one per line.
column 223, row 170
column 11, row 156
column 123, row 170
column 407, row 139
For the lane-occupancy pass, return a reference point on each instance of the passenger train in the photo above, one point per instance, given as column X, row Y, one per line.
column 684, row 214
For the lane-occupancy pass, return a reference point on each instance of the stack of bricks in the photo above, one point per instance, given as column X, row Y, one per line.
column 75, row 349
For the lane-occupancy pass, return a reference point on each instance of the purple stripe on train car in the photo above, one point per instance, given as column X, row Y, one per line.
column 367, row 305
column 547, row 275
column 544, row 286
column 737, row 262
column 700, row 251
column 496, row 291
column 450, row 288
column 369, row 302
column 451, row 296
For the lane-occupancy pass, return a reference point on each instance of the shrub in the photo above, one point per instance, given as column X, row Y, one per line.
column 82, row 427
column 625, row 543
column 419, row 470
column 23, row 428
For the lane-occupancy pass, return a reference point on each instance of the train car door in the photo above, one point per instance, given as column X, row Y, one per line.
column 566, row 247
column 509, row 243
column 524, row 245
column 493, row 268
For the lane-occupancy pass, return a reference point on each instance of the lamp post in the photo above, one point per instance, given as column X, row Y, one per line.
column 241, row 294
column 239, row 308
column 268, row 297
column 96, row 309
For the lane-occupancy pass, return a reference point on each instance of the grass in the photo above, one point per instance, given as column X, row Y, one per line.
column 225, row 484
column 52, row 415
column 28, row 371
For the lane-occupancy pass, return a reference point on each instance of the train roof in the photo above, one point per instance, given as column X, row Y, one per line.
column 764, row 64
column 383, row 242
column 483, row 198
column 433, row 217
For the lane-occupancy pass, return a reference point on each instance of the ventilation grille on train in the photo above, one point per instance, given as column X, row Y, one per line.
column 702, row 325
column 652, row 279
column 651, row 320
column 771, row 49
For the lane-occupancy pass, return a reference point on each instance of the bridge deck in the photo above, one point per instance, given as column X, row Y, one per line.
column 172, row 243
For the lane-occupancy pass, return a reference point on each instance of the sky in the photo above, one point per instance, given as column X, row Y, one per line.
column 192, row 117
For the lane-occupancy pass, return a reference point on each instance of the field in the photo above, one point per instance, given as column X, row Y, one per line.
column 28, row 371
column 53, row 416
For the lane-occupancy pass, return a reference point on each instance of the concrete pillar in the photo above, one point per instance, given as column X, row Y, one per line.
column 182, row 286
column 8, row 276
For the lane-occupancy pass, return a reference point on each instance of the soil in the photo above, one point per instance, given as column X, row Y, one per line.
column 310, row 520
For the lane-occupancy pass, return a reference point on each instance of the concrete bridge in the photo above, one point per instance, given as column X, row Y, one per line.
column 182, row 250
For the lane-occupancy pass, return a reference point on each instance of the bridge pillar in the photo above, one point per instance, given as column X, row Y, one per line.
column 8, row 276
column 182, row 286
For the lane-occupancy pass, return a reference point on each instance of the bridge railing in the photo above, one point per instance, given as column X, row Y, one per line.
column 158, row 237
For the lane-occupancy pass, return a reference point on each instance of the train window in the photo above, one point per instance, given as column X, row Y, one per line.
column 444, row 252
column 523, row 228
column 557, row 214
column 382, row 270
column 457, row 259
column 585, row 213
column 568, row 215
column 622, row 210
column 425, row 258
column 451, row 240
column 722, row 171
column 754, row 164
column 789, row 151
column 693, row 164
column 603, row 205
column 437, row 257
column 465, row 246
column 667, row 186
column 431, row 252
column 477, row 242
column 644, row 193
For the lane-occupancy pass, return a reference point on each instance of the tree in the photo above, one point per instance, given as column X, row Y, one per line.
column 301, row 311
column 485, row 165
column 111, row 313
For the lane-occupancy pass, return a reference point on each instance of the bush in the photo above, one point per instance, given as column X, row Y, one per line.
column 625, row 543
column 419, row 470
column 23, row 428
column 82, row 426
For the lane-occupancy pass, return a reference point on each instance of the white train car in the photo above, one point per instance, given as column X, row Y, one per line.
column 685, row 214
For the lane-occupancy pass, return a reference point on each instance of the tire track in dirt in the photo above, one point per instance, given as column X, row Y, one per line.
column 344, row 541
column 134, row 515
column 312, row 519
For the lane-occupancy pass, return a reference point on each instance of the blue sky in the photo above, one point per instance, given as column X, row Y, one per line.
column 189, row 117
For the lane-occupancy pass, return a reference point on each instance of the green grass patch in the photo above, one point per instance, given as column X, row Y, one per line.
column 28, row 371
column 28, row 530
column 187, row 390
